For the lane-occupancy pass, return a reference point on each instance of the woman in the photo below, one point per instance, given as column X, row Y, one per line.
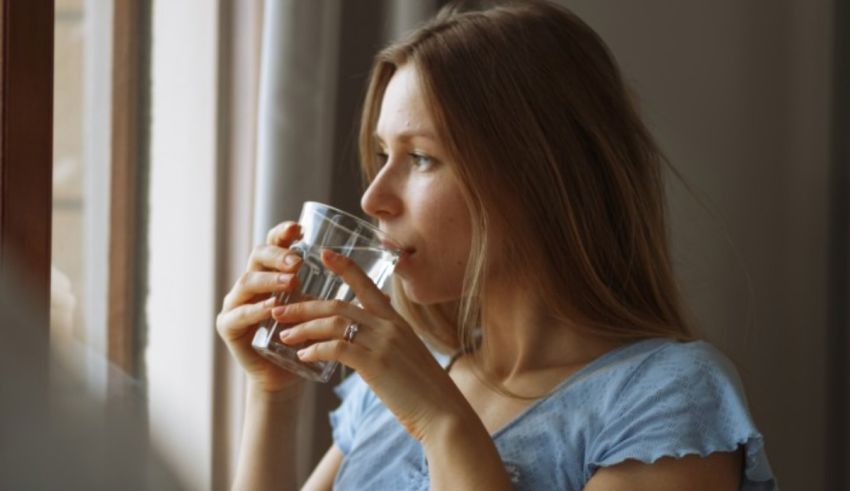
column 502, row 151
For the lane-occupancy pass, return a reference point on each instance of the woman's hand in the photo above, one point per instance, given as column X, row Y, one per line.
column 272, row 269
column 386, row 352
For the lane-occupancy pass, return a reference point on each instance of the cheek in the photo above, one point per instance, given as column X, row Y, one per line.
column 459, row 246
column 439, row 275
column 450, row 228
column 452, row 241
column 461, row 229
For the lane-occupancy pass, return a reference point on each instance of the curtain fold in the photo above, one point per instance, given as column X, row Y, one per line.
column 297, row 97
column 315, row 60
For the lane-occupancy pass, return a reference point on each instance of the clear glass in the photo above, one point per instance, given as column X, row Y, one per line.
column 325, row 227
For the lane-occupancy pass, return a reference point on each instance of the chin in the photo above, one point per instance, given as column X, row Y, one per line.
column 427, row 296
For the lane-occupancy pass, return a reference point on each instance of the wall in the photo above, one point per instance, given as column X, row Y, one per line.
column 738, row 94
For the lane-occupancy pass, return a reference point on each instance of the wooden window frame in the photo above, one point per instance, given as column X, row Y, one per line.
column 26, row 165
column 26, row 159
column 130, row 35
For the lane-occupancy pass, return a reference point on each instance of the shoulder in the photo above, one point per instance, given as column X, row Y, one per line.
column 678, row 387
column 650, row 377
column 654, row 366
column 676, row 400
column 678, row 366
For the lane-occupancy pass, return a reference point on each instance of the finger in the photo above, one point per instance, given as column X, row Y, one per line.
column 369, row 295
column 349, row 354
column 237, row 322
column 283, row 234
column 296, row 313
column 254, row 283
column 266, row 257
column 323, row 329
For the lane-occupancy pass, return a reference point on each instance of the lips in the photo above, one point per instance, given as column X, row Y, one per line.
column 403, row 250
column 404, row 253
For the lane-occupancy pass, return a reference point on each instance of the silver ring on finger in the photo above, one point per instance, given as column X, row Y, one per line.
column 350, row 332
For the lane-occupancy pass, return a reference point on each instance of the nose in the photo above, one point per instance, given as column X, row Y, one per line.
column 381, row 199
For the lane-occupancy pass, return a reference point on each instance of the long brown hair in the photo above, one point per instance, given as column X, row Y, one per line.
column 559, row 172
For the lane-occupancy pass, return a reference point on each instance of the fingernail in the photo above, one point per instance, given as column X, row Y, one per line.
column 278, row 311
column 270, row 302
column 329, row 255
column 302, row 353
column 283, row 279
column 291, row 259
column 285, row 334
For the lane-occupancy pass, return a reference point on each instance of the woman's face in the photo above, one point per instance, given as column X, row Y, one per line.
column 416, row 196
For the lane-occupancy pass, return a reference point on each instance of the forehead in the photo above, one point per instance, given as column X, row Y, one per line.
column 403, row 110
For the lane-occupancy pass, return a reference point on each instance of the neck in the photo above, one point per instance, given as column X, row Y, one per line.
column 519, row 337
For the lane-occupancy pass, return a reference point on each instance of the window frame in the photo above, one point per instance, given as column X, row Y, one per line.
column 128, row 142
column 26, row 158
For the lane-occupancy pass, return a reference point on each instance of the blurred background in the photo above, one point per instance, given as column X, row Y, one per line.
column 184, row 129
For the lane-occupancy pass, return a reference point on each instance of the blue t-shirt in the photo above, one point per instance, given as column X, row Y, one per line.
column 643, row 401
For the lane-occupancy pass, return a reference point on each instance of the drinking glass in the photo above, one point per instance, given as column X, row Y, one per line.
column 325, row 227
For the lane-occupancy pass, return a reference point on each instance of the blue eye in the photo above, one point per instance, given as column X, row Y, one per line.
column 421, row 160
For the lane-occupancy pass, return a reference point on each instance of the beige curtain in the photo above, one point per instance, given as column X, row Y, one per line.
column 294, row 73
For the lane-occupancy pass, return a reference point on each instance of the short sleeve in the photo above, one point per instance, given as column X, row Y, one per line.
column 356, row 398
column 684, row 399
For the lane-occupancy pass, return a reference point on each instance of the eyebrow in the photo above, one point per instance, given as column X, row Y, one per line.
column 407, row 135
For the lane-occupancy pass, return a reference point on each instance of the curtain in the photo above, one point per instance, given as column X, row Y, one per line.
column 314, row 67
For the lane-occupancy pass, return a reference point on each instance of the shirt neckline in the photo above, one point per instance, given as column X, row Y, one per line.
column 595, row 364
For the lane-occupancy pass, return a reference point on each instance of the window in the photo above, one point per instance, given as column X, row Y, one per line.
column 97, row 67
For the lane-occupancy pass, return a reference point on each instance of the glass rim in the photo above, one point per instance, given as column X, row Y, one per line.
column 380, row 234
